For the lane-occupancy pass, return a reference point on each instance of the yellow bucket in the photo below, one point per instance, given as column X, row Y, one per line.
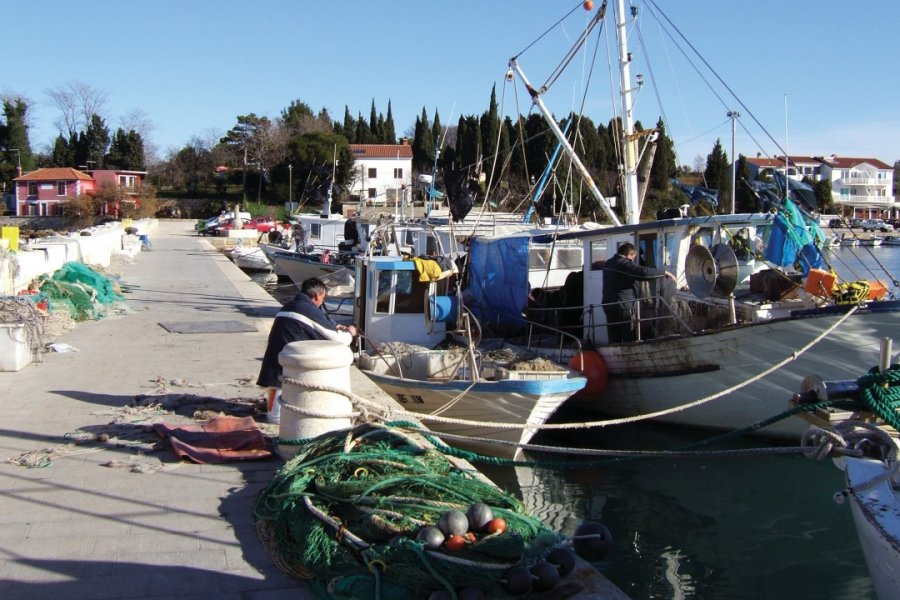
column 11, row 234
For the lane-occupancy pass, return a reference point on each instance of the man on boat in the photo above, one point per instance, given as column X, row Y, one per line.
column 300, row 319
column 620, row 273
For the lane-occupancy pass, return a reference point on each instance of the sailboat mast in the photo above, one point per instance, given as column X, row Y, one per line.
column 630, row 201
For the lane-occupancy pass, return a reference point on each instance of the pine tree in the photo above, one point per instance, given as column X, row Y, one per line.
column 126, row 151
column 362, row 133
column 717, row 175
column 468, row 142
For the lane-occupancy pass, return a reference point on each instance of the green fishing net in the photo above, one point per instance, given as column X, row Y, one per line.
column 344, row 514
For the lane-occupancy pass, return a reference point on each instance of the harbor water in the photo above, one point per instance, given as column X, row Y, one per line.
column 717, row 528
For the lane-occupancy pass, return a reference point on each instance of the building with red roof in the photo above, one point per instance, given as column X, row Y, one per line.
column 43, row 192
column 383, row 172
column 860, row 187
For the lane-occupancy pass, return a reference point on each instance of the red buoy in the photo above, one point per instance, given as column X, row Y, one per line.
column 588, row 5
column 595, row 371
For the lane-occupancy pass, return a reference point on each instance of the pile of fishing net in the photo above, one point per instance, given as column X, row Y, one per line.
column 346, row 513
column 82, row 292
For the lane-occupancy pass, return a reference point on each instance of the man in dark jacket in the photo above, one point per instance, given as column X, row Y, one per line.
column 300, row 319
column 619, row 276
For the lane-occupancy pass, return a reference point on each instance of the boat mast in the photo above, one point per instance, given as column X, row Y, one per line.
column 631, row 199
column 566, row 146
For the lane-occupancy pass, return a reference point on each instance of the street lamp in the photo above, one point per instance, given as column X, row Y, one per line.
column 733, row 115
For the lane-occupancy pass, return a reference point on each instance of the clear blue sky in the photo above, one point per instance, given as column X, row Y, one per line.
column 820, row 75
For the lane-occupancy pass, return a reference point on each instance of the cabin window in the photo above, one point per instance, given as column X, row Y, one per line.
column 538, row 258
column 569, row 258
column 740, row 243
column 647, row 251
column 599, row 253
column 398, row 173
column 60, row 188
column 408, row 293
column 431, row 246
column 373, row 173
column 315, row 230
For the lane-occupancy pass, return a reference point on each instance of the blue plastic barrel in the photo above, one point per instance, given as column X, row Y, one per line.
column 442, row 309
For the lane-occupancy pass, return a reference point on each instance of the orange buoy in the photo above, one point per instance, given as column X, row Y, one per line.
column 594, row 369
column 588, row 5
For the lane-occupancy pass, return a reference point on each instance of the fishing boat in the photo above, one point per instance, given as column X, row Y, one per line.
column 248, row 258
column 871, row 241
column 722, row 346
column 491, row 397
column 322, row 245
column 873, row 492
column 857, row 427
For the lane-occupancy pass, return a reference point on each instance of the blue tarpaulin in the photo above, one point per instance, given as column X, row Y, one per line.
column 498, row 277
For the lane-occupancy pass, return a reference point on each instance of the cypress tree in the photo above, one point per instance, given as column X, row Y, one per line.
column 390, row 136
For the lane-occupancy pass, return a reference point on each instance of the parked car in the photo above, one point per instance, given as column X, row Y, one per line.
column 207, row 226
column 856, row 222
column 261, row 224
column 876, row 225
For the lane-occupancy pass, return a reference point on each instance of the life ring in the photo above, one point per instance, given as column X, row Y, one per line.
column 594, row 369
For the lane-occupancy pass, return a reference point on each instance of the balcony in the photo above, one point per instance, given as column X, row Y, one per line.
column 867, row 201
column 862, row 181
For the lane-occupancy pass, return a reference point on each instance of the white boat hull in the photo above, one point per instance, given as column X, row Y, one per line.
column 250, row 259
column 876, row 514
column 488, row 402
column 666, row 373
column 298, row 268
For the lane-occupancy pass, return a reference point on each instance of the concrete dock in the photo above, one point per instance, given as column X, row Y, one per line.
column 146, row 525
column 92, row 504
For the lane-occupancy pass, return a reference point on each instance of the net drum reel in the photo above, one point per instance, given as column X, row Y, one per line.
column 713, row 271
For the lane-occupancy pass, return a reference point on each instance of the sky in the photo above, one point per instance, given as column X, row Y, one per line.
column 810, row 77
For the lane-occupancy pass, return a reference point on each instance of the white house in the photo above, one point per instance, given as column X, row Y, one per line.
column 860, row 187
column 383, row 172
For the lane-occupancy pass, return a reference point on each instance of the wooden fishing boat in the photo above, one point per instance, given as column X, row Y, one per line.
column 484, row 392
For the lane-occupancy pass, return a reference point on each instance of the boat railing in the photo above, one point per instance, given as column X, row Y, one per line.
column 534, row 331
column 668, row 315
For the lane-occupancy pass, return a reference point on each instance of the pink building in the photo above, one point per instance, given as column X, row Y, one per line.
column 41, row 192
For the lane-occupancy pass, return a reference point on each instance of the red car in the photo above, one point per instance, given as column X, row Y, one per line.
column 261, row 224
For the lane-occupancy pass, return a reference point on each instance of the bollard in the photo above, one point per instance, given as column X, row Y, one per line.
column 308, row 366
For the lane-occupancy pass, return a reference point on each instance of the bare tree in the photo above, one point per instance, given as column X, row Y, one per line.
column 138, row 120
column 699, row 164
column 77, row 102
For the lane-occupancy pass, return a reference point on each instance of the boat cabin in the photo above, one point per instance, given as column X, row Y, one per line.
column 394, row 305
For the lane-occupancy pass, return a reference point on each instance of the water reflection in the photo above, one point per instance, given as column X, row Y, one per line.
column 748, row 527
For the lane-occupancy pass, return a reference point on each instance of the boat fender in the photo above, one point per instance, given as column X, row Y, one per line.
column 590, row 364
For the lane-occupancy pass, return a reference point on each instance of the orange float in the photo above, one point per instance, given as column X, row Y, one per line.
column 588, row 5
column 594, row 370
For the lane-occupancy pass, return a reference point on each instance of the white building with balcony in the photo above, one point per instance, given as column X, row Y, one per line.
column 860, row 187
column 382, row 173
